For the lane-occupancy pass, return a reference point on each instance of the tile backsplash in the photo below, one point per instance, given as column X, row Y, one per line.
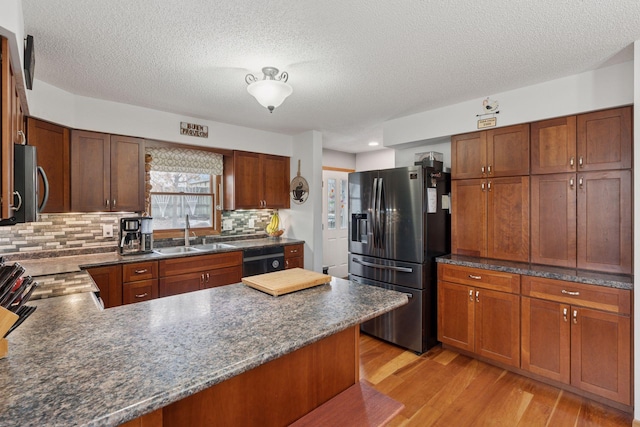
column 74, row 233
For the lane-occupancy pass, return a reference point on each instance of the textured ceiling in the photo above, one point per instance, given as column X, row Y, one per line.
column 352, row 63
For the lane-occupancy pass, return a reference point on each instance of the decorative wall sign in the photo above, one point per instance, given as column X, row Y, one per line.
column 299, row 188
column 192, row 129
column 489, row 108
column 487, row 123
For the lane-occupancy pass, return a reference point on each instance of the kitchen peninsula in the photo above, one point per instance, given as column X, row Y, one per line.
column 74, row 364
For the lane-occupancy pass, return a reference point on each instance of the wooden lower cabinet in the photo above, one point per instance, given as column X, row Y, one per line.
column 477, row 319
column 294, row 256
column 579, row 335
column 143, row 290
column 109, row 281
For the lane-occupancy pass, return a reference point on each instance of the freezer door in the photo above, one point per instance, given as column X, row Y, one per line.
column 406, row 326
column 400, row 273
column 400, row 217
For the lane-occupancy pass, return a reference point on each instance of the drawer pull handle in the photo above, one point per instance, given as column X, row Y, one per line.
column 575, row 317
column 564, row 313
column 477, row 296
column 142, row 295
column 471, row 276
column 573, row 294
column 144, row 270
column 471, row 295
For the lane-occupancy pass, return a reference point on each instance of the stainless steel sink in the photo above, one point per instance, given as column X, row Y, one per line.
column 214, row 246
column 176, row 250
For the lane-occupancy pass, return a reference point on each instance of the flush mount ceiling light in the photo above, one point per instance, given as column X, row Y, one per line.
column 272, row 90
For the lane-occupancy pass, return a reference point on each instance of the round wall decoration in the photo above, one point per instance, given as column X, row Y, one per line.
column 299, row 188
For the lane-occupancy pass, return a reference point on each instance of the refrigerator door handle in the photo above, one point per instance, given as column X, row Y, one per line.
column 383, row 267
column 374, row 214
column 381, row 208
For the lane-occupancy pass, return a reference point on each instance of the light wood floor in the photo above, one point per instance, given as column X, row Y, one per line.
column 444, row 388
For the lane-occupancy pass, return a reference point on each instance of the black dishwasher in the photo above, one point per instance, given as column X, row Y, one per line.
column 262, row 260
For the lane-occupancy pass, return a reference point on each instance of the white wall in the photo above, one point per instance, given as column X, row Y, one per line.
column 50, row 103
column 379, row 159
column 338, row 159
column 593, row 90
column 636, row 228
column 304, row 221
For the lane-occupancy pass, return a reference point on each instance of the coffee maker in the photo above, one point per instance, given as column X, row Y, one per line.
column 136, row 235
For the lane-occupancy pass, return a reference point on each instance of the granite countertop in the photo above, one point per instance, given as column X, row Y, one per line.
column 73, row 364
column 619, row 281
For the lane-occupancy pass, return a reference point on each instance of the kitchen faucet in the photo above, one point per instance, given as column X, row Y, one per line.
column 187, row 226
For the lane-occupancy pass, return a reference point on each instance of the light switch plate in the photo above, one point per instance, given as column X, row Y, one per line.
column 227, row 225
column 252, row 223
column 107, row 230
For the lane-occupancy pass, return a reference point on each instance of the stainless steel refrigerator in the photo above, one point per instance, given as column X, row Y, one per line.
column 399, row 222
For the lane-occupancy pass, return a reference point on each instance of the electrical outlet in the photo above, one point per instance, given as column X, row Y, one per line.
column 227, row 225
column 107, row 230
column 252, row 223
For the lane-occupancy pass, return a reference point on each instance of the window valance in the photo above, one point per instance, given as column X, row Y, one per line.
column 164, row 159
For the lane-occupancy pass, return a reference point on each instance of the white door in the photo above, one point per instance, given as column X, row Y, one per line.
column 335, row 224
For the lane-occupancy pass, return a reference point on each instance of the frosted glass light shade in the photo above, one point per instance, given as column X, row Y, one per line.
column 270, row 93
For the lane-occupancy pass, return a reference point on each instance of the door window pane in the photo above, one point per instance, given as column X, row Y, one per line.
column 344, row 223
column 331, row 204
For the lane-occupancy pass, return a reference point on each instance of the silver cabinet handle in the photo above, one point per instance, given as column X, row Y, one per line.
column 477, row 296
column 471, row 276
column 564, row 313
column 142, row 295
column 575, row 317
column 489, row 185
column 572, row 293
column 572, row 161
column 482, row 185
column 580, row 162
column 482, row 169
column 489, row 169
column 571, row 183
column 383, row 267
column 144, row 270
column 208, row 277
column 106, row 203
column 114, row 203
column 471, row 295
column 580, row 182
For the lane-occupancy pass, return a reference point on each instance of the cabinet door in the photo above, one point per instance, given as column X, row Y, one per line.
column 294, row 262
column 5, row 127
column 468, row 155
column 127, row 174
column 497, row 326
column 52, row 144
column 247, row 180
column 604, row 140
column 553, row 219
column 90, row 171
column 180, row 284
column 553, row 145
column 143, row 290
column 109, row 281
column 456, row 315
column 222, row 276
column 469, row 217
column 508, row 151
column 546, row 339
column 604, row 221
column 275, row 171
column 601, row 353
column 508, row 218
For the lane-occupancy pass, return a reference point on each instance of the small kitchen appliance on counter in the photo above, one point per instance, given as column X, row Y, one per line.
column 136, row 235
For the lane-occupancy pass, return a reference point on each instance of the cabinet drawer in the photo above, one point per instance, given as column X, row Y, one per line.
column 193, row 264
column 143, row 290
column 592, row 296
column 139, row 271
column 496, row 280
column 293, row 251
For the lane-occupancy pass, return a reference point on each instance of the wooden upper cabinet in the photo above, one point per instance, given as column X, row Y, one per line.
column 604, row 140
column 508, row 151
column 553, row 219
column 553, row 145
column 469, row 217
column 52, row 144
column 127, row 173
column 605, row 221
column 107, row 172
column 508, row 218
column 468, row 155
column 493, row 153
column 256, row 181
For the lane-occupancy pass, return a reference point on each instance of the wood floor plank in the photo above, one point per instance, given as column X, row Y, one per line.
column 444, row 388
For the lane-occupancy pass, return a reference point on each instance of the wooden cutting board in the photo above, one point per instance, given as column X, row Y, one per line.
column 285, row 281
